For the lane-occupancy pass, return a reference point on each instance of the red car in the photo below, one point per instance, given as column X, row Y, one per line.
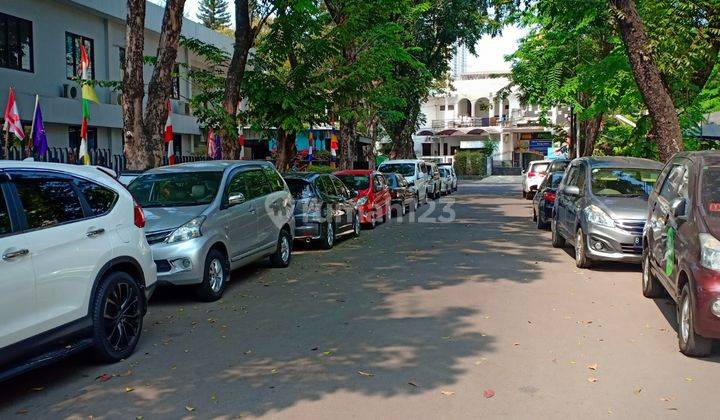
column 373, row 194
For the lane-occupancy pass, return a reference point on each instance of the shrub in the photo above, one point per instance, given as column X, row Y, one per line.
column 471, row 163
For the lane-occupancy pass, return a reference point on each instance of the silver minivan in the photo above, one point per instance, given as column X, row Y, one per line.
column 205, row 219
column 415, row 173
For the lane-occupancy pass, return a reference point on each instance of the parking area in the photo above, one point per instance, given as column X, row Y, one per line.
column 478, row 316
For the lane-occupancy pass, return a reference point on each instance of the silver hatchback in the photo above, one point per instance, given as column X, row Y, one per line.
column 205, row 219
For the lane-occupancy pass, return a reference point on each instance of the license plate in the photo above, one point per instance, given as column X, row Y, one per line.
column 638, row 241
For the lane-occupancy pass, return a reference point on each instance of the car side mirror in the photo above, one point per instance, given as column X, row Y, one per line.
column 679, row 208
column 572, row 190
column 236, row 199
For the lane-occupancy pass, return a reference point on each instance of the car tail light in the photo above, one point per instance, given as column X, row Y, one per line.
column 139, row 215
column 549, row 196
column 531, row 174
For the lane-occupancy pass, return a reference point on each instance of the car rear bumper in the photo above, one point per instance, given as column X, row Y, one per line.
column 307, row 230
column 616, row 245
column 707, row 291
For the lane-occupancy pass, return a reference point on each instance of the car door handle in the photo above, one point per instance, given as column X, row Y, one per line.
column 9, row 255
column 94, row 232
column 251, row 211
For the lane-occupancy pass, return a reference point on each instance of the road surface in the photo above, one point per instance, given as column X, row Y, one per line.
column 474, row 317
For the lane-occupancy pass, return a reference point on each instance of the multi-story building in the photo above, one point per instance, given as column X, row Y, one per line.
column 39, row 54
column 479, row 108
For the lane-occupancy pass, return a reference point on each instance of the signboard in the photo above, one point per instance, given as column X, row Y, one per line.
column 540, row 145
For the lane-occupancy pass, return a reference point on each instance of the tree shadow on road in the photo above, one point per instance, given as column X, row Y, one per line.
column 354, row 320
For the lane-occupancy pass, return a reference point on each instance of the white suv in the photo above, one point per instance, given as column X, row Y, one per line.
column 75, row 268
column 415, row 173
column 534, row 176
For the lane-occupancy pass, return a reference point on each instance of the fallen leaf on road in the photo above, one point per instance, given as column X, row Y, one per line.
column 22, row 411
column 638, row 391
column 248, row 352
column 488, row 393
column 362, row 373
column 273, row 371
column 327, row 353
column 593, row 366
column 38, row 388
column 673, row 409
column 189, row 409
column 412, row 384
column 447, row 393
column 124, row 374
column 667, row 399
column 104, row 377
column 129, row 389
column 592, row 379
column 516, row 344
column 689, row 379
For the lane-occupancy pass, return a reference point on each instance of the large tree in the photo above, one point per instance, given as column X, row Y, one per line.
column 214, row 14
column 143, row 128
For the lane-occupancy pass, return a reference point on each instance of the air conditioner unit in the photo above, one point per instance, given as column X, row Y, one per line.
column 70, row 91
column 183, row 108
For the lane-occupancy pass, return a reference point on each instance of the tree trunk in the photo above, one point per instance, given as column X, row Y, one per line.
column 403, row 147
column 666, row 125
column 133, row 87
column 590, row 133
column 143, row 132
column 346, row 144
column 244, row 38
column 286, row 150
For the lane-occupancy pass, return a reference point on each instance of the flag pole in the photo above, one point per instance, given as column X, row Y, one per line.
column 5, row 144
column 30, row 145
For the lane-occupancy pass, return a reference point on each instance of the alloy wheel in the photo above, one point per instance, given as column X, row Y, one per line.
column 579, row 246
column 216, row 275
column 330, row 234
column 122, row 315
column 685, row 320
column 284, row 249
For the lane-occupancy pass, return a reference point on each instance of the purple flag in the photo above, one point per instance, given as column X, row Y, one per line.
column 38, row 131
column 218, row 147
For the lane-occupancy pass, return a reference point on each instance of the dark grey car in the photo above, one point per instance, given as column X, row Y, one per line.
column 601, row 206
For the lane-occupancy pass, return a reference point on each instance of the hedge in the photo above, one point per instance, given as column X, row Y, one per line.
column 470, row 163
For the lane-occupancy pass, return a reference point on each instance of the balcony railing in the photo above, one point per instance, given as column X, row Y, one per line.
column 463, row 122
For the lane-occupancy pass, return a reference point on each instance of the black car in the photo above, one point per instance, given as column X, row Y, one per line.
column 403, row 195
column 324, row 208
column 544, row 200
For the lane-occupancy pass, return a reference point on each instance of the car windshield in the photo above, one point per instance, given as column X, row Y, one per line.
column 176, row 189
column 404, row 169
column 710, row 196
column 553, row 179
column 355, row 182
column 299, row 188
column 626, row 182
column 540, row 168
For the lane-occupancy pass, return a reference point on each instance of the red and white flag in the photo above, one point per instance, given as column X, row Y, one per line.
column 168, row 136
column 12, row 117
column 241, row 143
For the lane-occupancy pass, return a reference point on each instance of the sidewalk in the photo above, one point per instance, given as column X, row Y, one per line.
column 502, row 179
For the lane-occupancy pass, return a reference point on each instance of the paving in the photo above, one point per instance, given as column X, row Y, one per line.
column 465, row 312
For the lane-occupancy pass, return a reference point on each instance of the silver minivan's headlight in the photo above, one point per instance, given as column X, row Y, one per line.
column 597, row 216
column 709, row 252
column 189, row 230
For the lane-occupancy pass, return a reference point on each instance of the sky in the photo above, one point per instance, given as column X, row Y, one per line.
column 491, row 51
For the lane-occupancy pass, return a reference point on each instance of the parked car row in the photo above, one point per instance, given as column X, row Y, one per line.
column 666, row 217
column 81, row 252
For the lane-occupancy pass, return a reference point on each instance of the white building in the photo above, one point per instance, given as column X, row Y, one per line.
column 39, row 54
column 473, row 113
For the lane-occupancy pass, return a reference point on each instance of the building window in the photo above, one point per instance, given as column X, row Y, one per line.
column 16, row 43
column 176, row 82
column 74, row 137
column 427, row 149
column 121, row 57
column 451, row 107
column 442, row 107
column 72, row 55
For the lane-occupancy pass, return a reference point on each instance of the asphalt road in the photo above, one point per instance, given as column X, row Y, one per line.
column 411, row 320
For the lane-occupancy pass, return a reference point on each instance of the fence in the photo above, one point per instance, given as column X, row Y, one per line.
column 99, row 157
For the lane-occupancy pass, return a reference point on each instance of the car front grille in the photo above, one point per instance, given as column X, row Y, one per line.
column 157, row 237
column 631, row 249
column 163, row 266
column 634, row 226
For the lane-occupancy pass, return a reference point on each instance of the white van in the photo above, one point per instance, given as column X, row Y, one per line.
column 414, row 171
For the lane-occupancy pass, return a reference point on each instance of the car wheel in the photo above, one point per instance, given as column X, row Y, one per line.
column 534, row 215
column 557, row 239
column 217, row 271
column 425, row 199
column 356, row 226
column 328, row 238
column 283, row 252
column 117, row 315
column 541, row 222
column 403, row 209
column 524, row 195
column 416, row 203
column 650, row 284
column 691, row 344
column 581, row 258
